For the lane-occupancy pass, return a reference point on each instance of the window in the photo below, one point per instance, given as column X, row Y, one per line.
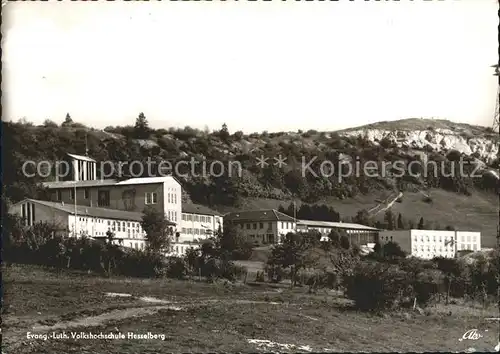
column 261, row 225
column 103, row 198
column 270, row 225
column 72, row 194
column 196, row 218
column 150, row 198
column 248, row 226
column 255, row 226
column 209, row 219
column 86, row 193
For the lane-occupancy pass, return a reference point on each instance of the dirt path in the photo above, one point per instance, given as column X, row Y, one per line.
column 93, row 321
column 17, row 337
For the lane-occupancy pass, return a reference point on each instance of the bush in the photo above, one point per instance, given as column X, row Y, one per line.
column 276, row 273
column 259, row 277
column 375, row 286
column 177, row 268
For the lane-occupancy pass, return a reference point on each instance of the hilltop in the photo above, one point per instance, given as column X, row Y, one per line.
column 438, row 197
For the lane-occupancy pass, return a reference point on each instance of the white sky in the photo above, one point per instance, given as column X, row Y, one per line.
column 254, row 65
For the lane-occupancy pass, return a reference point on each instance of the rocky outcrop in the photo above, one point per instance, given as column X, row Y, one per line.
column 439, row 140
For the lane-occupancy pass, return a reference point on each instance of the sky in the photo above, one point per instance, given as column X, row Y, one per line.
column 275, row 66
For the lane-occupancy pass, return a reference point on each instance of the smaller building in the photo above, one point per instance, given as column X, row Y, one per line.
column 199, row 223
column 86, row 221
column 267, row 226
column 358, row 234
column 428, row 244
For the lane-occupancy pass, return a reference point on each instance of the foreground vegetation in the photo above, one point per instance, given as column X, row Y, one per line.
column 217, row 317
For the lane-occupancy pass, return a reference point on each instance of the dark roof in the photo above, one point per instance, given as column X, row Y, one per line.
column 91, row 211
column 81, row 157
column 106, row 182
column 79, row 184
column 258, row 215
column 335, row 225
column 198, row 209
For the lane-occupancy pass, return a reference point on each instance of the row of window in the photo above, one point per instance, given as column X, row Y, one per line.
column 196, row 218
column 429, row 255
column 172, row 215
column 115, row 225
column 435, row 238
column 190, row 231
column 434, row 248
column 263, row 238
column 461, row 247
column 171, row 198
column 28, row 214
column 259, row 226
column 103, row 197
column 88, row 173
column 150, row 198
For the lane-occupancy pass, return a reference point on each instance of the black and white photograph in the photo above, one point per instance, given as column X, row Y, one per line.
column 250, row 176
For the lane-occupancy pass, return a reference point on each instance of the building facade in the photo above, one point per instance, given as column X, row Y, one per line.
column 132, row 195
column 191, row 223
column 428, row 244
column 262, row 226
column 358, row 234
column 84, row 221
column 199, row 223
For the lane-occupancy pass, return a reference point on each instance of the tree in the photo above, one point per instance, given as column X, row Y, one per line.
column 420, row 225
column 401, row 225
column 224, row 133
column 67, row 121
column 392, row 251
column 389, row 219
column 50, row 124
column 362, row 217
column 334, row 237
column 345, row 243
column 141, row 128
column 377, row 249
column 231, row 244
column 157, row 228
column 292, row 253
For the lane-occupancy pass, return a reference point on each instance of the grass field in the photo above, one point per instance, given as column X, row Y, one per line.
column 200, row 317
column 478, row 212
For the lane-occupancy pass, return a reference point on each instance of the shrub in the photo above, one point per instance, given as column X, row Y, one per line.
column 276, row 273
column 259, row 277
column 177, row 268
column 375, row 286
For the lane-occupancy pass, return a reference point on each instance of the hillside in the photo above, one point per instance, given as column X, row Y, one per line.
column 458, row 199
